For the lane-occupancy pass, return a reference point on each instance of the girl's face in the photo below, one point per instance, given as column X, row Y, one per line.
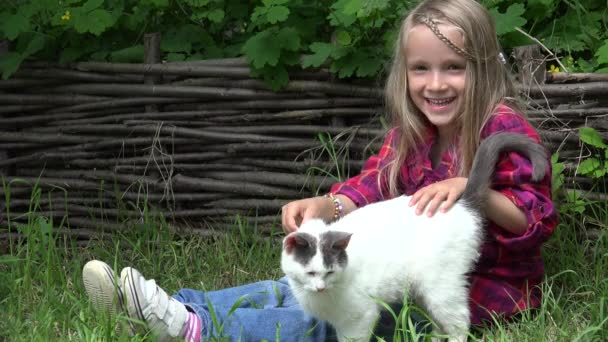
column 436, row 74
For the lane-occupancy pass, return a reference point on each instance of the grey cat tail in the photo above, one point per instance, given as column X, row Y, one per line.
column 485, row 161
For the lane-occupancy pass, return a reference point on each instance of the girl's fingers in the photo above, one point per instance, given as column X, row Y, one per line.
column 435, row 203
column 415, row 198
column 423, row 202
column 449, row 202
column 288, row 220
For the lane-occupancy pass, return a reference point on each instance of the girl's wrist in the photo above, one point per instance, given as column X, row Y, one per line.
column 337, row 207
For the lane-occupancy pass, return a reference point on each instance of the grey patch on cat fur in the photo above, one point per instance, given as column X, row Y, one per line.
column 331, row 255
column 305, row 248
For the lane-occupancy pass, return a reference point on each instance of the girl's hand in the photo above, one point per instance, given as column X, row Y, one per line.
column 293, row 214
column 446, row 192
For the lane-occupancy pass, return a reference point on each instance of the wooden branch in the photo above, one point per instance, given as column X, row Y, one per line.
column 144, row 160
column 330, row 88
column 152, row 55
column 563, row 77
column 45, row 138
column 181, row 182
column 51, row 183
column 280, row 104
column 568, row 113
column 42, row 158
column 164, row 130
column 272, row 178
column 120, row 103
column 75, row 75
column 27, row 99
column 307, row 114
column 296, row 166
column 310, row 130
column 250, row 204
column 570, row 90
column 237, row 61
column 17, row 109
column 14, row 83
column 122, row 90
column 157, row 116
column 165, row 69
column 188, row 168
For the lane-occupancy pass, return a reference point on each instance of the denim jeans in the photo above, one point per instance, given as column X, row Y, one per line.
column 265, row 310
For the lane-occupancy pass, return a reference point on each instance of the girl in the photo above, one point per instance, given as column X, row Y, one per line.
column 447, row 90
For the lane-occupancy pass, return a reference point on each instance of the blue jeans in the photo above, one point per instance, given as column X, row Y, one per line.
column 265, row 310
column 268, row 309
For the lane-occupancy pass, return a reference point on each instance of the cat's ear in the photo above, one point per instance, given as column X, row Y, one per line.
column 294, row 240
column 341, row 240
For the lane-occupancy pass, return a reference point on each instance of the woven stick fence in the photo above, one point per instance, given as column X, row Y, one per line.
column 202, row 142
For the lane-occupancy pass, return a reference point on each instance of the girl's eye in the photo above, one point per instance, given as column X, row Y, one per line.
column 455, row 67
column 418, row 68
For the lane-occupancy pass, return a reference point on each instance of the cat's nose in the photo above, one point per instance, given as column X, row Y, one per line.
column 320, row 288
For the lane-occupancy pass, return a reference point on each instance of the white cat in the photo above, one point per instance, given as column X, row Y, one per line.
column 384, row 249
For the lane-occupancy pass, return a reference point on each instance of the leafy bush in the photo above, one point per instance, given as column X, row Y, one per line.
column 353, row 37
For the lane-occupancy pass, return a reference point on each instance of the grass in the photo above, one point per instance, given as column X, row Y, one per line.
column 42, row 297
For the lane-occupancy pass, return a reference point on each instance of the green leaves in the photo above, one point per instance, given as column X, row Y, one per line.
column 591, row 137
column 352, row 37
column 321, row 51
column 510, row 20
column 272, row 12
column 602, row 53
column 13, row 25
column 594, row 167
column 261, row 50
column 91, row 18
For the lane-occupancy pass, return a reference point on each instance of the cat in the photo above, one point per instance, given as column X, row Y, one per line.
column 338, row 271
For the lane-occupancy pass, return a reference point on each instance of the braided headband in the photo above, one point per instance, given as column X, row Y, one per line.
column 432, row 25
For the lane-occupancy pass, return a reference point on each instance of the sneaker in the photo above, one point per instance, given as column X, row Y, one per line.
column 145, row 301
column 102, row 289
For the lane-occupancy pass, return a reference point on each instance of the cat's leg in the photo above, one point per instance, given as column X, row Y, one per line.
column 358, row 328
column 449, row 309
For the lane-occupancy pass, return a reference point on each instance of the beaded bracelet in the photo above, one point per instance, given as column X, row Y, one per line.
column 337, row 205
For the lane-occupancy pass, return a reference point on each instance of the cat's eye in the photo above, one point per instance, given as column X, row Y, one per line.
column 312, row 274
column 330, row 272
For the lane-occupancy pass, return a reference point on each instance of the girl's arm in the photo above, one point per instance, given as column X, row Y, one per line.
column 503, row 212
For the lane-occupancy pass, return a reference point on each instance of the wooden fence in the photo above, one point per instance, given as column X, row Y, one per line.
column 204, row 141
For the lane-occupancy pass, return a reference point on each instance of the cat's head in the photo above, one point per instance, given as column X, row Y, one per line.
column 315, row 259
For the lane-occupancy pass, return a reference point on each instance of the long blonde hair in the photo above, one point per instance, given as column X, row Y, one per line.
column 488, row 82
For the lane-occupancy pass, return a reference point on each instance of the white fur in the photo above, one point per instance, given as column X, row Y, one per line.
column 392, row 250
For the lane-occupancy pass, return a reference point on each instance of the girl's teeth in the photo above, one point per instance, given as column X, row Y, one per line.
column 440, row 102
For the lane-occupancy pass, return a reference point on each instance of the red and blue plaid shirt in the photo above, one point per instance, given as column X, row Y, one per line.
column 507, row 276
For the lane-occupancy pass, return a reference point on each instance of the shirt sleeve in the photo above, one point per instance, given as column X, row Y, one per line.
column 370, row 185
column 512, row 178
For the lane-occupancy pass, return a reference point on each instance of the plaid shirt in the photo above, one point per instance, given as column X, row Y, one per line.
column 506, row 278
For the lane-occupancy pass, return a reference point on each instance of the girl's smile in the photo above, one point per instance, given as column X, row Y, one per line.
column 436, row 74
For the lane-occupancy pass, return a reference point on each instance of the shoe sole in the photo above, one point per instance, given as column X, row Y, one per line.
column 100, row 285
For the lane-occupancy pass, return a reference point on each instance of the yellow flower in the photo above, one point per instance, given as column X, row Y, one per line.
column 66, row 16
column 553, row 68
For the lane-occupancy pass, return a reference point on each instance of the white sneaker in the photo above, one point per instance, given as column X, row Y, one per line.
column 145, row 301
column 102, row 288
